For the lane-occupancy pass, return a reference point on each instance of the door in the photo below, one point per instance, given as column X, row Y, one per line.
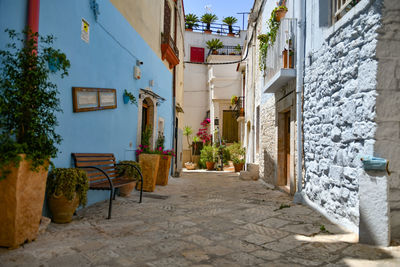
column 229, row 127
column 287, row 147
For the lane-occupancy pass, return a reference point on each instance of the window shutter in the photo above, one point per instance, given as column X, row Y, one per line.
column 167, row 19
column 197, row 54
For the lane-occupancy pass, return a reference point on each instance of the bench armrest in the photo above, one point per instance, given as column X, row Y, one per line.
column 132, row 165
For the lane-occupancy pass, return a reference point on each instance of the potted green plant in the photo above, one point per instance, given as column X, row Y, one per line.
column 234, row 100
column 28, row 108
column 129, row 172
column 208, row 155
column 214, row 44
column 237, row 154
column 66, row 190
column 208, row 18
column 188, row 131
column 191, row 21
column 238, row 49
column 230, row 21
column 279, row 12
column 129, row 97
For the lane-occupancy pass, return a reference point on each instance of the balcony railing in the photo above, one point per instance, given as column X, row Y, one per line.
column 169, row 51
column 226, row 50
column 216, row 28
column 282, row 55
column 341, row 7
column 167, row 39
column 238, row 109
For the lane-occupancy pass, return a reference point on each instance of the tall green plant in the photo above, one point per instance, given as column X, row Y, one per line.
column 146, row 135
column 28, row 99
column 188, row 131
column 191, row 20
column 208, row 18
column 230, row 21
column 214, row 44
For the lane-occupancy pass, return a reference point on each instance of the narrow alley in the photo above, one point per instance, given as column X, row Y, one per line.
column 200, row 219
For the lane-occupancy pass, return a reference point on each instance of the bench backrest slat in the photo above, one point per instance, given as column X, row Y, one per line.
column 104, row 161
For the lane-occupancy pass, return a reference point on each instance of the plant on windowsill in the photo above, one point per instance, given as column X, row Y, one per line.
column 208, row 18
column 237, row 153
column 230, row 21
column 66, row 190
column 214, row 45
column 191, row 21
column 208, row 155
column 129, row 97
column 129, row 172
column 28, row 108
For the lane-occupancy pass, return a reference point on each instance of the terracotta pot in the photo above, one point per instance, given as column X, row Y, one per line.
column 149, row 165
column 241, row 112
column 21, row 202
column 210, row 165
column 207, row 31
column 190, row 166
column 163, row 170
column 214, row 52
column 238, row 166
column 126, row 190
column 188, row 30
column 231, row 34
column 62, row 209
column 280, row 14
column 285, row 59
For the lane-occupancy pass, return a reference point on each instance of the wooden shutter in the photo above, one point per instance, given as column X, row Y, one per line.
column 229, row 127
column 167, row 19
column 197, row 54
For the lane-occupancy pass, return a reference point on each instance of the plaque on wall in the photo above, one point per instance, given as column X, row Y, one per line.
column 92, row 99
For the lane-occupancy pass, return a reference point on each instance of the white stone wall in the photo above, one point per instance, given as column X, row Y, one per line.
column 388, row 104
column 339, row 113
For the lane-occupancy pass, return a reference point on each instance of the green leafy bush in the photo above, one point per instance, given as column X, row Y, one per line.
column 237, row 153
column 68, row 182
column 128, row 171
column 214, row 44
column 208, row 154
column 28, row 100
column 191, row 20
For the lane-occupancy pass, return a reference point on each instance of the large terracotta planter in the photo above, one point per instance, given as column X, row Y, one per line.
column 62, row 209
column 238, row 166
column 149, row 165
column 210, row 165
column 163, row 170
column 125, row 191
column 21, row 202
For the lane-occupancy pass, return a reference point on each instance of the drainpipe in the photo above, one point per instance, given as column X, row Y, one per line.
column 299, row 90
column 33, row 15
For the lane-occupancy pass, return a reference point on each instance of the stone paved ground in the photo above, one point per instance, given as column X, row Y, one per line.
column 207, row 220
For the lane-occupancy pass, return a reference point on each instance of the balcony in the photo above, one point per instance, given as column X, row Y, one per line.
column 281, row 57
column 226, row 50
column 215, row 28
column 169, row 51
column 238, row 109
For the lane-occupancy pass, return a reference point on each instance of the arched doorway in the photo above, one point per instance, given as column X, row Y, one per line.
column 146, row 118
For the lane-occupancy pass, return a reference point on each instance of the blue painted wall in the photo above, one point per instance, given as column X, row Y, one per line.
column 106, row 62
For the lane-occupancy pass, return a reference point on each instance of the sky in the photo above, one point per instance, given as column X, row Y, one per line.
column 221, row 8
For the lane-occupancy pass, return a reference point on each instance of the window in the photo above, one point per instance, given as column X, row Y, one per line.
column 341, row 7
column 197, row 54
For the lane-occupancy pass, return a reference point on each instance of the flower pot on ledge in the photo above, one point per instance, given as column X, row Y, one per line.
column 207, row 31
column 280, row 14
column 210, row 165
column 285, row 59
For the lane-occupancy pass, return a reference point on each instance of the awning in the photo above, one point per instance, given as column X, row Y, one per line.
column 151, row 93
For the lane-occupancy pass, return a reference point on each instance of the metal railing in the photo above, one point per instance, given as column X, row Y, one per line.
column 341, row 7
column 238, row 109
column 226, row 50
column 216, row 28
column 167, row 39
column 282, row 53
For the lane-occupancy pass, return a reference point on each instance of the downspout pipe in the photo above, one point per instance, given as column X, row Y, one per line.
column 33, row 15
column 301, row 27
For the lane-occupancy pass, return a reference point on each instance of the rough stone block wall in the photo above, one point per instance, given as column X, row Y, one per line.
column 388, row 103
column 268, row 139
column 339, row 112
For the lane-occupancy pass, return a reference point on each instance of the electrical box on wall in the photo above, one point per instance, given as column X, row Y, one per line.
column 137, row 73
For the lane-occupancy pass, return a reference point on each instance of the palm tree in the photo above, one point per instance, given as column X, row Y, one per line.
column 230, row 21
column 208, row 18
column 214, row 44
column 188, row 131
column 191, row 21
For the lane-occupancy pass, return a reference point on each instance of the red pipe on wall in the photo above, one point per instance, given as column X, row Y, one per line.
column 33, row 15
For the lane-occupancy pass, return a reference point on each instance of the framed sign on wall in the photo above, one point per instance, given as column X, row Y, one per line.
column 92, row 99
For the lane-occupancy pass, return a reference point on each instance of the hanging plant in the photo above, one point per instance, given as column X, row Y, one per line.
column 129, row 97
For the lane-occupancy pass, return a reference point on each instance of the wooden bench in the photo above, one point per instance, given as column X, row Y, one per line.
column 102, row 173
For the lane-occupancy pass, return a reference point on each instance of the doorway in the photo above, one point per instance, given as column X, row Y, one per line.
column 284, row 148
column 147, row 118
column 229, row 127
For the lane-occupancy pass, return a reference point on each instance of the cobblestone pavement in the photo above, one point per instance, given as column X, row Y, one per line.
column 207, row 220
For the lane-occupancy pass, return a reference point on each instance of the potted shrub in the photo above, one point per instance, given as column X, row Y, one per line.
column 28, row 104
column 208, row 18
column 129, row 97
column 230, row 21
column 188, row 131
column 279, row 12
column 237, row 154
column 191, row 21
column 66, row 190
column 164, row 166
column 129, row 172
column 234, row 100
column 238, row 49
column 208, row 155
column 214, row 45
column 149, row 161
